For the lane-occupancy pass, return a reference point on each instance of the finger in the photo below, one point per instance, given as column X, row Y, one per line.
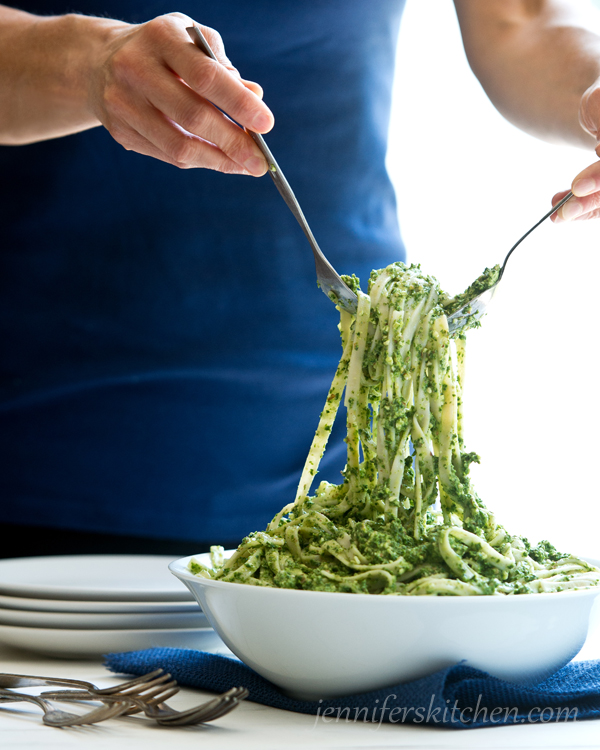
column 555, row 199
column 587, row 181
column 256, row 88
column 213, row 82
column 197, row 116
column 215, row 42
column 219, row 82
column 586, row 192
column 580, row 208
column 224, row 89
column 585, row 216
column 212, row 36
column 594, row 214
column 132, row 141
column 168, row 139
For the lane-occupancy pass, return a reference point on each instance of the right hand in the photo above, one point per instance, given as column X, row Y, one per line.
column 158, row 94
column 586, row 185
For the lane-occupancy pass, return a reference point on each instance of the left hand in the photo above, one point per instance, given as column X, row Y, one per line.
column 586, row 186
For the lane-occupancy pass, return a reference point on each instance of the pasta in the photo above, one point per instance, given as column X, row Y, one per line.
column 405, row 520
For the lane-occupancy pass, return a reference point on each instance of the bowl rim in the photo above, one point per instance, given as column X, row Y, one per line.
column 179, row 569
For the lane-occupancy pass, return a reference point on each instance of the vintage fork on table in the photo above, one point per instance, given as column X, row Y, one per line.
column 119, row 704
column 56, row 718
column 135, row 686
column 327, row 277
column 146, row 693
column 155, row 707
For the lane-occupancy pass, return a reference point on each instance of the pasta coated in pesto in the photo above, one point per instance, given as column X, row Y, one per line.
column 406, row 519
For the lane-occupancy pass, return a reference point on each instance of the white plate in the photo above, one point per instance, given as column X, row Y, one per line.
column 112, row 578
column 80, row 606
column 107, row 621
column 77, row 644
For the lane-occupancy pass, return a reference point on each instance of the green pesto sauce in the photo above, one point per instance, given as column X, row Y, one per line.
column 487, row 280
column 427, row 533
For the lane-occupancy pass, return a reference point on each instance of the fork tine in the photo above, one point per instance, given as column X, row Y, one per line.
column 208, row 711
column 152, row 678
column 101, row 713
column 161, row 698
column 157, row 689
column 137, row 703
column 219, row 710
column 194, row 710
column 143, row 702
column 154, row 694
column 228, row 703
column 201, row 716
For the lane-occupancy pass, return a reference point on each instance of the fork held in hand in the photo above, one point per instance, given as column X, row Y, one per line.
column 475, row 308
column 327, row 277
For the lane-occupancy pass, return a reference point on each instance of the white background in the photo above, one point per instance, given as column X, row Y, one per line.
column 469, row 185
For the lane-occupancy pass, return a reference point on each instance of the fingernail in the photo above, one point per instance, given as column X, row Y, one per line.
column 571, row 210
column 585, row 186
column 255, row 165
column 262, row 122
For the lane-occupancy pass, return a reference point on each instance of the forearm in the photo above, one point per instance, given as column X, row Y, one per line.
column 535, row 61
column 147, row 84
column 45, row 69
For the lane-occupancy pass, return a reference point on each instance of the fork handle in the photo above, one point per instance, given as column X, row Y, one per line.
column 282, row 185
column 553, row 210
column 23, row 680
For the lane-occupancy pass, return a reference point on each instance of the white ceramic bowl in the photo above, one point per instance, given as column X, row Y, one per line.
column 315, row 644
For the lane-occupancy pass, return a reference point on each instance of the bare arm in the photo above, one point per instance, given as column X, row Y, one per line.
column 153, row 90
column 535, row 59
column 539, row 62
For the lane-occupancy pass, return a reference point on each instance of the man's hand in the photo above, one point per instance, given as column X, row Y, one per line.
column 158, row 94
column 148, row 84
column 586, row 186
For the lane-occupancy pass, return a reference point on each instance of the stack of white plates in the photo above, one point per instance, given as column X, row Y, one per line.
column 87, row 605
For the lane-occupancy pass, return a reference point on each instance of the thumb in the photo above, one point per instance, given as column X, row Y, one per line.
column 215, row 42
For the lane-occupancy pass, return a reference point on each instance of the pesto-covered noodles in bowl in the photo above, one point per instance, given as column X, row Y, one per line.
column 405, row 524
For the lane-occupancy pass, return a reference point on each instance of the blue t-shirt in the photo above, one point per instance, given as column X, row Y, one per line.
column 165, row 351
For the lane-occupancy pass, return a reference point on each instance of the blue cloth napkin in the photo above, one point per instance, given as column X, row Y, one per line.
column 458, row 696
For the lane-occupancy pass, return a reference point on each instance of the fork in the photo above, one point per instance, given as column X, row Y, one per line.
column 328, row 278
column 475, row 308
column 201, row 714
column 56, row 718
column 155, row 708
column 131, row 687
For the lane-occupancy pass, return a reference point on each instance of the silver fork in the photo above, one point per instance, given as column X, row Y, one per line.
column 202, row 714
column 149, row 686
column 57, row 718
column 476, row 307
column 154, row 706
column 328, row 278
column 131, row 687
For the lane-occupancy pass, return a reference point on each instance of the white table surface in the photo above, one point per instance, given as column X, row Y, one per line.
column 256, row 726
